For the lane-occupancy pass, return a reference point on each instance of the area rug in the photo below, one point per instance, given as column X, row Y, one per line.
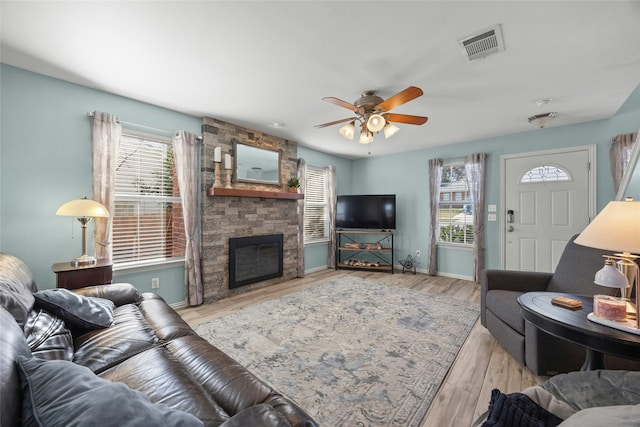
column 350, row 351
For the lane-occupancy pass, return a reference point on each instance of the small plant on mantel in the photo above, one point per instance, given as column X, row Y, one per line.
column 293, row 184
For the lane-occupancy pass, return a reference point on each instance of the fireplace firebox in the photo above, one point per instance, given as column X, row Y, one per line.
column 254, row 259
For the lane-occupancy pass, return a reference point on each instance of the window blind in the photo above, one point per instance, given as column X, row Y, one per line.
column 315, row 204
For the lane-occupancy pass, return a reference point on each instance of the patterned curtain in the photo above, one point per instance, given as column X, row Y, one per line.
column 331, row 205
column 105, row 137
column 619, row 155
column 474, row 168
column 435, row 175
column 186, row 148
column 302, row 173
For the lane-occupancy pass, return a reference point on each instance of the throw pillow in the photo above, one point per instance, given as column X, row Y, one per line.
column 61, row 393
column 517, row 410
column 77, row 311
column 16, row 287
column 47, row 337
column 619, row 416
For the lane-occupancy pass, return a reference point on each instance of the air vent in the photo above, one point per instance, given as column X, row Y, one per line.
column 483, row 43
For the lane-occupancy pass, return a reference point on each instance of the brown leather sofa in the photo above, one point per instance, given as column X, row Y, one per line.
column 542, row 353
column 148, row 347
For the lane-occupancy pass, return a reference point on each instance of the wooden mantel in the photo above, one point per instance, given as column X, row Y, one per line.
column 240, row 192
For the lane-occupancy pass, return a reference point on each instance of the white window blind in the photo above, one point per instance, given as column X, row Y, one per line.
column 316, row 219
column 147, row 224
column 455, row 210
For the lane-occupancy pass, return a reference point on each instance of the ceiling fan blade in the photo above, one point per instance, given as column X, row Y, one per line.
column 400, row 98
column 341, row 103
column 324, row 125
column 405, row 118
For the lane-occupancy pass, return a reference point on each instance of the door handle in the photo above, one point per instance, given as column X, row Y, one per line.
column 510, row 216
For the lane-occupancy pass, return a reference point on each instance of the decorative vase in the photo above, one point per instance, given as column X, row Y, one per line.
column 293, row 189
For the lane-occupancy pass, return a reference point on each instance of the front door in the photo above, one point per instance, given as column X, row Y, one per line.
column 549, row 197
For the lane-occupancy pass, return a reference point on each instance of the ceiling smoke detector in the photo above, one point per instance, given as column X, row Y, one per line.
column 541, row 120
column 483, row 43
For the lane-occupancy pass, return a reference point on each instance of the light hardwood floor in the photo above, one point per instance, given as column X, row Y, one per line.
column 481, row 364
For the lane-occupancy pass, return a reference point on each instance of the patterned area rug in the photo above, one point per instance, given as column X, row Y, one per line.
column 350, row 351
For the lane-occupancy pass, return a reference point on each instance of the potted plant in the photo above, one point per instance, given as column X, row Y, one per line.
column 293, row 185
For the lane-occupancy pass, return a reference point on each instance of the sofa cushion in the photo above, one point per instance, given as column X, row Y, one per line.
column 77, row 311
column 257, row 415
column 47, row 336
column 504, row 305
column 619, row 416
column 12, row 345
column 16, row 288
column 129, row 334
column 58, row 392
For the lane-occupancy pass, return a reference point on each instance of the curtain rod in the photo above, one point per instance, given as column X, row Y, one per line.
column 90, row 114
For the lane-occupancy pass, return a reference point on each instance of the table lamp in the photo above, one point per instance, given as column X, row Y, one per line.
column 616, row 228
column 85, row 209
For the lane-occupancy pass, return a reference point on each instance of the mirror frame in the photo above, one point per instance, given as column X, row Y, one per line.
column 633, row 168
column 255, row 181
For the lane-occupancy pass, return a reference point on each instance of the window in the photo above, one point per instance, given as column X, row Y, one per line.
column 147, row 223
column 545, row 173
column 316, row 217
column 455, row 210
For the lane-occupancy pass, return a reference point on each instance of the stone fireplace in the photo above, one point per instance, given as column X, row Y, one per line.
column 255, row 213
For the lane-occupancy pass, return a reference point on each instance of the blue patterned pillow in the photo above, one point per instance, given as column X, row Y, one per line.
column 76, row 311
column 47, row 336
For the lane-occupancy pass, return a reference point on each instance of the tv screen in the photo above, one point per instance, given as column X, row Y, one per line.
column 366, row 211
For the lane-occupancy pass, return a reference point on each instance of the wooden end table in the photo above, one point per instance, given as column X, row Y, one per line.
column 573, row 325
column 70, row 277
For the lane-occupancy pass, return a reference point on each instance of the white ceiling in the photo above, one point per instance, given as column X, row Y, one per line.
column 255, row 63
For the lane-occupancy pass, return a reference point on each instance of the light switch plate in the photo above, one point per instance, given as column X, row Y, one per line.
column 492, row 208
column 492, row 217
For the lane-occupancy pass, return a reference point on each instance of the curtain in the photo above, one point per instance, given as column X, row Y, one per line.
column 331, row 206
column 105, row 138
column 302, row 173
column 435, row 175
column 186, row 148
column 474, row 165
column 619, row 154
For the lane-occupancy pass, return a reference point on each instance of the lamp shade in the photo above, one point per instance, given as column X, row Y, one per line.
column 376, row 122
column 83, row 208
column 347, row 131
column 366, row 137
column 610, row 276
column 390, row 129
column 615, row 228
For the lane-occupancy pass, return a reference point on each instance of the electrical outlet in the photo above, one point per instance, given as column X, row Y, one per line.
column 155, row 283
column 418, row 253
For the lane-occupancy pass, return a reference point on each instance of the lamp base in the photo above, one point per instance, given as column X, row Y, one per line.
column 83, row 260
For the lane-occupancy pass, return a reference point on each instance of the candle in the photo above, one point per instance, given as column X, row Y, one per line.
column 227, row 161
column 217, row 154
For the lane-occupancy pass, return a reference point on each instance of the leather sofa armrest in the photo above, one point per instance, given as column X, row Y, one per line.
column 119, row 293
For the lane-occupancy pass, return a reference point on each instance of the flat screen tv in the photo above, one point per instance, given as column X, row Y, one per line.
column 374, row 211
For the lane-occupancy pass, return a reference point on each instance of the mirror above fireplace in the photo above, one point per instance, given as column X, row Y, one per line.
column 257, row 165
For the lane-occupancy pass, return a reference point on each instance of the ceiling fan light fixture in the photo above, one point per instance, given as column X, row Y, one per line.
column 390, row 129
column 366, row 138
column 541, row 120
column 348, row 131
column 375, row 122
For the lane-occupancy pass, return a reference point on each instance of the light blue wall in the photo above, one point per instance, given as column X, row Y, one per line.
column 406, row 174
column 45, row 160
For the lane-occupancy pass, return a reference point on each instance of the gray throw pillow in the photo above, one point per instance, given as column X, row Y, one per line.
column 61, row 393
column 76, row 311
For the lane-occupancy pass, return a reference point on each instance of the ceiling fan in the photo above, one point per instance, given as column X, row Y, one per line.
column 372, row 114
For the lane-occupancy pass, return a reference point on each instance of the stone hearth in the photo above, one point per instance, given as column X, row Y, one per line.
column 225, row 217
